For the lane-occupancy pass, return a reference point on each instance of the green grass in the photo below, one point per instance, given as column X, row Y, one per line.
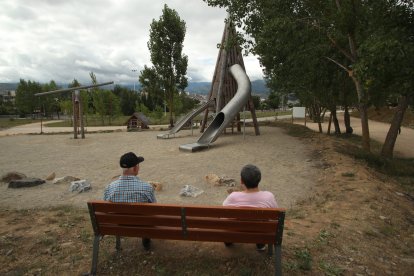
column 12, row 122
column 294, row 130
column 351, row 145
column 330, row 270
column 385, row 115
column 304, row 259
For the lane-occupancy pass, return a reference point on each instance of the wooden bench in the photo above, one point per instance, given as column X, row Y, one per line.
column 192, row 223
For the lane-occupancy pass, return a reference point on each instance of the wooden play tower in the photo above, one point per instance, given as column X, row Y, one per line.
column 223, row 86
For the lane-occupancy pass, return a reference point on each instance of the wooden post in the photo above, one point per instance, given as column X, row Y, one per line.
column 75, row 120
column 81, row 116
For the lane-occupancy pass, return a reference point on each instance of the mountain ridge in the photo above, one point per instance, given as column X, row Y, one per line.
column 258, row 87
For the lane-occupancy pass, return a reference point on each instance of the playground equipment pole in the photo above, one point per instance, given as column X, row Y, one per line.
column 77, row 105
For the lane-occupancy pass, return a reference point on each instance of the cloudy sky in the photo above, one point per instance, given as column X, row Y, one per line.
column 43, row 40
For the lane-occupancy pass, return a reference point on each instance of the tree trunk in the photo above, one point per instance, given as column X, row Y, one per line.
column 363, row 113
column 335, row 121
column 347, row 121
column 171, row 110
column 364, row 127
column 329, row 125
column 388, row 147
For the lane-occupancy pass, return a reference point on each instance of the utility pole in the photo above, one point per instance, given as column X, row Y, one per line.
column 134, row 70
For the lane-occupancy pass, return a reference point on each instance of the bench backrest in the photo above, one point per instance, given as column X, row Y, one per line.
column 196, row 223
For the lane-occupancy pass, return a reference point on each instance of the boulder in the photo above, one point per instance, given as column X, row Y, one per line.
column 25, row 182
column 80, row 186
column 190, row 191
column 216, row 180
column 12, row 176
column 51, row 176
column 157, row 185
column 213, row 179
column 65, row 179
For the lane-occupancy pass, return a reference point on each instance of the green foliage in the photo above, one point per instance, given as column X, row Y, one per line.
column 304, row 259
column 26, row 101
column 165, row 45
column 256, row 102
column 330, row 270
column 105, row 103
column 127, row 99
column 273, row 100
column 152, row 92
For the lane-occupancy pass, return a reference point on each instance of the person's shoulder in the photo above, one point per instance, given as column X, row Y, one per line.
column 145, row 184
column 235, row 194
column 268, row 194
column 112, row 184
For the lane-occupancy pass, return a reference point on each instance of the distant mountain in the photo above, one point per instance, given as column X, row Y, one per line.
column 8, row 86
column 258, row 87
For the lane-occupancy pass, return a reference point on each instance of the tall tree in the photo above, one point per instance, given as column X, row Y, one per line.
column 166, row 45
column 127, row 99
column 152, row 91
column 26, row 101
column 50, row 102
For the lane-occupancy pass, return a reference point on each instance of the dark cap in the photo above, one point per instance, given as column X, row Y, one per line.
column 129, row 160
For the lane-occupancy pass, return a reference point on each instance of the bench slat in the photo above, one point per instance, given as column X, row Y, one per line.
column 170, row 233
column 200, row 211
column 191, row 222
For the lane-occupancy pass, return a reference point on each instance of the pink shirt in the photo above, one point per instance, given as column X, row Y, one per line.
column 261, row 199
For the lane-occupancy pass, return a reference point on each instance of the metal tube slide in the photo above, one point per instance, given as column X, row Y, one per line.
column 227, row 114
column 179, row 125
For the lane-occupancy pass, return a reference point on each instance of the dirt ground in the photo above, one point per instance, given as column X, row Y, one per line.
column 286, row 165
column 343, row 218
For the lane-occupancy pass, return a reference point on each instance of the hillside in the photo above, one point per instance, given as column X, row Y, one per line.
column 8, row 86
column 258, row 87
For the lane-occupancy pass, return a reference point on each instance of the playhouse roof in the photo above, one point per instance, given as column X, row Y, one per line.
column 140, row 116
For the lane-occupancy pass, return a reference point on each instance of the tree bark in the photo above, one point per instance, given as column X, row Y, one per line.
column 347, row 121
column 329, row 125
column 363, row 113
column 335, row 121
column 389, row 143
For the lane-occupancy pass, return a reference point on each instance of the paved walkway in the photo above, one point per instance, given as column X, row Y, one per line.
column 404, row 146
column 36, row 128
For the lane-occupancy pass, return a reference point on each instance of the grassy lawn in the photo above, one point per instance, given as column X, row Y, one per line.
column 385, row 115
column 11, row 122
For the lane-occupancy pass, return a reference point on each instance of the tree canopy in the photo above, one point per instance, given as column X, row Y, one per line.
column 304, row 45
column 165, row 45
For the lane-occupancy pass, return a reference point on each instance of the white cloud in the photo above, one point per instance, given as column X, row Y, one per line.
column 63, row 40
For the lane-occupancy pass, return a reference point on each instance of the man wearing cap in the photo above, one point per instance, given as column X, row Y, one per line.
column 129, row 188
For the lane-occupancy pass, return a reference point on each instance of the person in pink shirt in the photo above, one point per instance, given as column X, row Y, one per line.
column 251, row 196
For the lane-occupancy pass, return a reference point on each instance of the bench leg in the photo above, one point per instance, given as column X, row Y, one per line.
column 278, row 260
column 118, row 243
column 270, row 249
column 95, row 255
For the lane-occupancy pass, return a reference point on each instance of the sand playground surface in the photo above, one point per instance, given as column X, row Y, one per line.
column 288, row 169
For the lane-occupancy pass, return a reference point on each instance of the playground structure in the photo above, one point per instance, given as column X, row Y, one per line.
column 226, row 115
column 229, row 94
column 78, row 123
